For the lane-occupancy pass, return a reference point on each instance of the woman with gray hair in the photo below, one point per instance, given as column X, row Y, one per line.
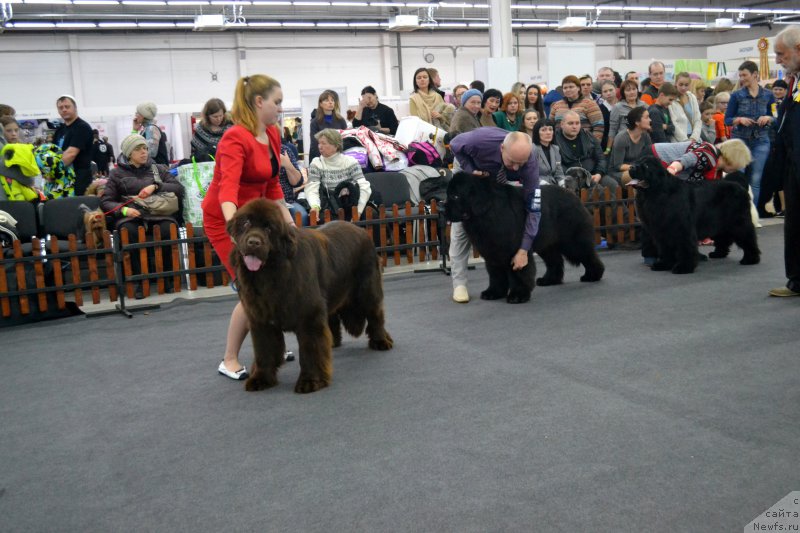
column 333, row 175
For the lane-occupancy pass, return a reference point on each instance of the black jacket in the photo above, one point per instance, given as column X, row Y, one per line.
column 584, row 151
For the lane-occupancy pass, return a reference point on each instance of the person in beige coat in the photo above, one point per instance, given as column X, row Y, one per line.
column 685, row 111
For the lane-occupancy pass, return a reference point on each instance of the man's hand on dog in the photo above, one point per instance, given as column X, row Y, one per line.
column 596, row 178
column 520, row 260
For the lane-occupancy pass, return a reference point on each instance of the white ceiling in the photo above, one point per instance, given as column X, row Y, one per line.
column 276, row 15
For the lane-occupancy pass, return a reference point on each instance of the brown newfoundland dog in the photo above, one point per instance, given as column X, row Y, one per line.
column 308, row 281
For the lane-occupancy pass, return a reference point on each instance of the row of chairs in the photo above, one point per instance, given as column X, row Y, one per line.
column 58, row 218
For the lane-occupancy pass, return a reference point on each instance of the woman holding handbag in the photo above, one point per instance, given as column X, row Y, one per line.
column 131, row 185
column 248, row 165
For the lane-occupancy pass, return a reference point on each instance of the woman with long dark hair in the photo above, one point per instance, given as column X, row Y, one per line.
column 328, row 115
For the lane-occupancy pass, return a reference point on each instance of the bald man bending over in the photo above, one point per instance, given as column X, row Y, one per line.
column 510, row 158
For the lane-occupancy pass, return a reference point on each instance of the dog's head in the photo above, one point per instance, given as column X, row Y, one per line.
column 577, row 178
column 467, row 197
column 649, row 173
column 259, row 234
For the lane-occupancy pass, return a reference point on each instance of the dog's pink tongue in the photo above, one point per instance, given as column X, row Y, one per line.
column 252, row 262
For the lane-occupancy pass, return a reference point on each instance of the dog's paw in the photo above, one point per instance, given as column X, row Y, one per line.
column 306, row 385
column 260, row 381
column 718, row 254
column 660, row 266
column 383, row 344
column 490, row 294
column 590, row 278
column 545, row 281
column 518, row 297
column 750, row 260
column 683, row 269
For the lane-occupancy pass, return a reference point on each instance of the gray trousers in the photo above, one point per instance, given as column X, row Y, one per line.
column 460, row 248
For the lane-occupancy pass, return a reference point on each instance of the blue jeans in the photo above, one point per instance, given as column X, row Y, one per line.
column 294, row 207
column 759, row 148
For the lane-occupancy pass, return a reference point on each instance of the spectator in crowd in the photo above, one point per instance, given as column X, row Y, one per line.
column 698, row 88
column 330, row 171
column 608, row 99
column 467, row 118
column 518, row 89
column 490, row 105
column 723, row 85
column 586, row 108
column 685, row 111
column 630, row 100
column 630, row 144
column 10, row 128
column 632, row 76
column 458, row 92
column 427, row 104
column 102, row 154
column 248, row 164
column 605, row 74
column 556, row 95
column 548, row 155
column 298, row 134
column 144, row 123
column 74, row 137
column 579, row 149
column 436, row 81
column 529, row 120
column 328, row 115
column 656, row 71
column 750, row 114
column 5, row 111
column 721, row 101
column 787, row 151
column 779, row 89
column 214, row 122
column 292, row 180
column 509, row 157
column 709, row 129
column 478, row 84
column 663, row 130
column 587, row 88
column 534, row 99
column 373, row 114
column 139, row 175
column 509, row 117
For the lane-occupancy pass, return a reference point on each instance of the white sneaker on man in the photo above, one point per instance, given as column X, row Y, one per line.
column 460, row 294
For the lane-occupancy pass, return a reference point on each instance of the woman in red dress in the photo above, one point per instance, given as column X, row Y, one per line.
column 248, row 161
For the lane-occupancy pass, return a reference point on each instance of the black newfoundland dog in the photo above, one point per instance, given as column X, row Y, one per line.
column 308, row 281
column 494, row 219
column 677, row 214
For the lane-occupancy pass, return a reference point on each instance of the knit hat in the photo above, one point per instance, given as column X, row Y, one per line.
column 74, row 102
column 148, row 110
column 131, row 143
column 469, row 94
column 491, row 93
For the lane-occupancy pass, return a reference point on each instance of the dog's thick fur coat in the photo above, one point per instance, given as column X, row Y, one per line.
column 311, row 282
column 494, row 219
column 677, row 214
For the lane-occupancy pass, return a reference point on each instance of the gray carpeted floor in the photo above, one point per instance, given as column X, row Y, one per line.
column 645, row 402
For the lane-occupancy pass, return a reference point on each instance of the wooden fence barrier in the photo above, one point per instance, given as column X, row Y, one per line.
column 403, row 235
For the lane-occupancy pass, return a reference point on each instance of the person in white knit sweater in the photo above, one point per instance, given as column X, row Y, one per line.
column 332, row 168
column 685, row 111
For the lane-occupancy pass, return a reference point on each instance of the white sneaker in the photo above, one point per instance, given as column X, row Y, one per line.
column 460, row 294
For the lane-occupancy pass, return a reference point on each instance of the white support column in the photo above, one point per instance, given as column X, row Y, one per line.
column 75, row 70
column 500, row 40
column 241, row 55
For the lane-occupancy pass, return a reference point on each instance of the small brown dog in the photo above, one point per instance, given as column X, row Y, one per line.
column 95, row 223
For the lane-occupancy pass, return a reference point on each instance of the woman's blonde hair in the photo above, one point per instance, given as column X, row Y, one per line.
column 736, row 152
column 247, row 88
column 332, row 137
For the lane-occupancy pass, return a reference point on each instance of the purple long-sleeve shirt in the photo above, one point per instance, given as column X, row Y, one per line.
column 479, row 149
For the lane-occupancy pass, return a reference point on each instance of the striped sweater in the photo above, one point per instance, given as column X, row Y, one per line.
column 591, row 116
